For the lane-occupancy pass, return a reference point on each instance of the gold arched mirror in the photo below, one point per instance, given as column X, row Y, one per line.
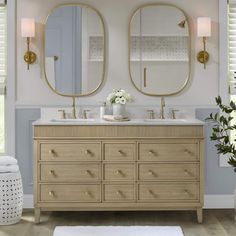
column 74, row 50
column 159, row 49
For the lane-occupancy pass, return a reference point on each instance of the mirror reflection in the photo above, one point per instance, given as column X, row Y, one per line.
column 159, row 50
column 74, row 50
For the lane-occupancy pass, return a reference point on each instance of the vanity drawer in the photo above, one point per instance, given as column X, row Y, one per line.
column 173, row 172
column 70, row 152
column 119, row 172
column 119, row 151
column 168, row 152
column 168, row 191
column 69, row 192
column 69, row 172
column 119, row 193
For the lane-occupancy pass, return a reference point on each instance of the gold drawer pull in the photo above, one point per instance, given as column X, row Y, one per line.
column 119, row 172
column 51, row 151
column 186, row 172
column 120, row 193
column 51, row 172
column 87, row 152
column 151, row 152
column 121, row 152
column 152, row 193
column 89, row 173
column 51, row 193
column 188, row 152
column 150, row 172
column 188, row 192
column 87, row 193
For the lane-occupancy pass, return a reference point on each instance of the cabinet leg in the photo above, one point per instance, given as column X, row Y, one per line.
column 199, row 215
column 37, row 213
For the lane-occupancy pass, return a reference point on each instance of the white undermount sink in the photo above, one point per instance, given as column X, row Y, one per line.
column 73, row 120
column 166, row 120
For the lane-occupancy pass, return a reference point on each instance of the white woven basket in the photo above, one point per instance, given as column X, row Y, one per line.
column 11, row 198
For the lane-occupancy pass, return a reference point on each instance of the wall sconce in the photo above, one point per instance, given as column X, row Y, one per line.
column 203, row 30
column 28, row 32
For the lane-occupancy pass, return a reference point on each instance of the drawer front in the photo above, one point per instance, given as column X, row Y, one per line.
column 118, row 193
column 168, row 172
column 168, row 191
column 119, row 172
column 70, row 173
column 70, row 152
column 76, row 193
column 168, row 152
column 119, row 151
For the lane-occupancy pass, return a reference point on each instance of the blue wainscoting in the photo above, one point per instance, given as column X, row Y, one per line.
column 218, row 180
column 24, row 145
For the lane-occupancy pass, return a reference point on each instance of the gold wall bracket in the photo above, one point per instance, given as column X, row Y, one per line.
column 29, row 57
column 203, row 56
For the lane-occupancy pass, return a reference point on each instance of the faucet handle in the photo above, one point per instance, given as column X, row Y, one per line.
column 151, row 114
column 62, row 114
column 173, row 113
column 85, row 113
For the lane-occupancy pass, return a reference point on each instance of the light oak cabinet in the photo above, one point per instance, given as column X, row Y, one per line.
column 108, row 167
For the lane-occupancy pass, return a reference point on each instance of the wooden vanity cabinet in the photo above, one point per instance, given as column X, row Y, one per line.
column 118, row 168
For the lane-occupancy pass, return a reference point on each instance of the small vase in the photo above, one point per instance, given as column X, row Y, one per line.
column 118, row 109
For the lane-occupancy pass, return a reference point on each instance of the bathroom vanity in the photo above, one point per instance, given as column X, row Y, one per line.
column 120, row 166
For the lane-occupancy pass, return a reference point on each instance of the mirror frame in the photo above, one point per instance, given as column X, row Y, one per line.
column 189, row 50
column 104, row 50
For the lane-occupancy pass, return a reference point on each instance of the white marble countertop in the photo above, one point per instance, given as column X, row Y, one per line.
column 144, row 122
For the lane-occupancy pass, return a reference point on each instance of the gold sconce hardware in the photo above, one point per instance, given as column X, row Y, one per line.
column 182, row 23
column 28, row 32
column 203, row 30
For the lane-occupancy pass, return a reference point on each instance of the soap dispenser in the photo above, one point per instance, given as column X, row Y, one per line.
column 103, row 110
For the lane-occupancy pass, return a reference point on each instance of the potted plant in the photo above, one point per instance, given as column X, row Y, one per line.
column 118, row 98
column 223, row 123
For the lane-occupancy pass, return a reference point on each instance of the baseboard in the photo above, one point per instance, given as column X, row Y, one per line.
column 28, row 201
column 219, row 201
column 211, row 201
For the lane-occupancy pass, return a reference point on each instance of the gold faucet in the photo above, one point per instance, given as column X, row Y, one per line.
column 162, row 115
column 73, row 109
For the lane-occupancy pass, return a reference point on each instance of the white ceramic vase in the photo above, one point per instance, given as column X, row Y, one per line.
column 118, row 109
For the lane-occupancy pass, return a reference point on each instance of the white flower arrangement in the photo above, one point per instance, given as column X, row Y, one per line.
column 119, row 96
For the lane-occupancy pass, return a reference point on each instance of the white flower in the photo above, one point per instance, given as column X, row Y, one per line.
column 123, row 100
column 117, row 101
column 119, row 96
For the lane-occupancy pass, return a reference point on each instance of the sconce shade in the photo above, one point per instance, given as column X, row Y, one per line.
column 28, row 27
column 204, row 26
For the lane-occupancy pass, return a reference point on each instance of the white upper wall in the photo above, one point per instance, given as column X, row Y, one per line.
column 32, row 89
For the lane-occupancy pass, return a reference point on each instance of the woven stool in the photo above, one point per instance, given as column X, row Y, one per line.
column 11, row 198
